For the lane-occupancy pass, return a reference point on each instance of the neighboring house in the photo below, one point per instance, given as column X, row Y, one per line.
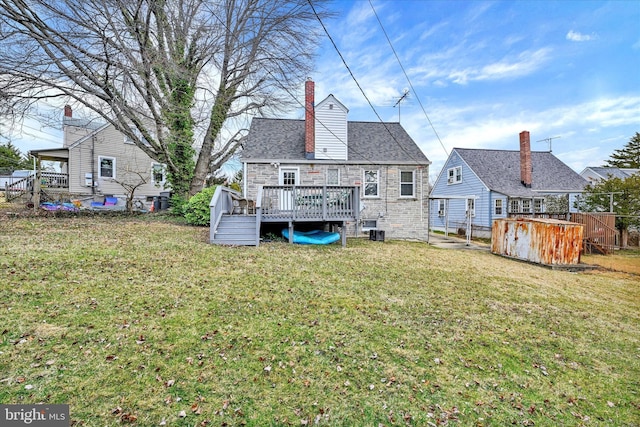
column 325, row 149
column 484, row 185
column 595, row 174
column 96, row 159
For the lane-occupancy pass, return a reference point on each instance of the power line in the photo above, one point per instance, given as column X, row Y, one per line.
column 408, row 79
column 357, row 83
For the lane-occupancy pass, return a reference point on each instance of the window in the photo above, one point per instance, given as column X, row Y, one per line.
column 442, row 207
column 454, row 175
column 407, row 184
column 158, row 173
column 498, row 207
column 107, row 167
column 471, row 207
column 369, row 224
column 289, row 177
column 371, row 183
column 514, row 206
column 526, row 206
column 538, row 205
column 333, row 176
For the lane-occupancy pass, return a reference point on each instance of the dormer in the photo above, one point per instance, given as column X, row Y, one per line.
column 331, row 130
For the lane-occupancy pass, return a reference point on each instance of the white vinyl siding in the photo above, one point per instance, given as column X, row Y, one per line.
column 331, row 130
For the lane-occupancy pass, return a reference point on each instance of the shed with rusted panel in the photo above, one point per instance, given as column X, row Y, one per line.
column 540, row 240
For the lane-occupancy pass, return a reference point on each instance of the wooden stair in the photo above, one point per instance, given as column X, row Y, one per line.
column 238, row 230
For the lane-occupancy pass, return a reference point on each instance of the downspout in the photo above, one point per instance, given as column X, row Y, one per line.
column 244, row 180
column 490, row 209
column 93, row 165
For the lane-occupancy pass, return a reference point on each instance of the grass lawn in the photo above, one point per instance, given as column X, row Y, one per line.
column 139, row 321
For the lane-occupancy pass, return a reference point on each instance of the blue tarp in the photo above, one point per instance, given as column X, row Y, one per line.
column 313, row 237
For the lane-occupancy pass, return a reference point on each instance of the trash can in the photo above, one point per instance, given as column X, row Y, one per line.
column 165, row 197
column 156, row 204
column 377, row 235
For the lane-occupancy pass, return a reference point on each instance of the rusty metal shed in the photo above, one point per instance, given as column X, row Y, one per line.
column 540, row 240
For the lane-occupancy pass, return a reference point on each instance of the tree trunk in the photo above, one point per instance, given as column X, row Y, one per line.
column 624, row 238
column 219, row 112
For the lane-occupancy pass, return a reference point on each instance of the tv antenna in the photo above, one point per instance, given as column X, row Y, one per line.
column 404, row 96
column 548, row 141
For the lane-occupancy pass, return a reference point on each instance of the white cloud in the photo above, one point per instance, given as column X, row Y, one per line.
column 575, row 36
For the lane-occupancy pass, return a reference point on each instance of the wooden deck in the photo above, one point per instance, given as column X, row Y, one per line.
column 334, row 205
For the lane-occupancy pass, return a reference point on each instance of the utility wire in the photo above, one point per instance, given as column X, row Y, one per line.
column 357, row 83
column 408, row 79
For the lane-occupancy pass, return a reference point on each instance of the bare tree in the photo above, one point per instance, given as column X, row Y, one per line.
column 167, row 73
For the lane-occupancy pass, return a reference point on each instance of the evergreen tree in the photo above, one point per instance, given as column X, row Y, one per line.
column 627, row 157
column 12, row 159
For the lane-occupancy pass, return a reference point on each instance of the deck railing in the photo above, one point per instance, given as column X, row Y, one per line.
column 18, row 187
column 308, row 203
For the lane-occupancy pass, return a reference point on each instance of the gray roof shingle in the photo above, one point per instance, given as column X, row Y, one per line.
column 605, row 172
column 500, row 171
column 369, row 142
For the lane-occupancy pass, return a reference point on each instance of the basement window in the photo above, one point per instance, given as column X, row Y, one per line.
column 369, row 224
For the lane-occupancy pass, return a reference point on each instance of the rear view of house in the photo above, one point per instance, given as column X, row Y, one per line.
column 326, row 149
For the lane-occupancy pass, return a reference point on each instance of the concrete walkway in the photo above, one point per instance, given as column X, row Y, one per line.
column 455, row 242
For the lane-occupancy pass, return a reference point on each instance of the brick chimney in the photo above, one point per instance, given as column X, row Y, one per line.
column 309, row 120
column 67, row 111
column 525, row 159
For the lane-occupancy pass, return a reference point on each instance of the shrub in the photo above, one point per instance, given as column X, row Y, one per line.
column 196, row 210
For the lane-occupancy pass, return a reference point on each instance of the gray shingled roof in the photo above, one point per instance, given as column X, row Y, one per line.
column 622, row 173
column 500, row 171
column 369, row 142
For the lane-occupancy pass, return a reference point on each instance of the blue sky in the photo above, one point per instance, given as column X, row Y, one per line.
column 486, row 70
column 483, row 71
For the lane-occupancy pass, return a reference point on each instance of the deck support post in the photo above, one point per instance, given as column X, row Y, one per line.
column 290, row 231
column 343, row 234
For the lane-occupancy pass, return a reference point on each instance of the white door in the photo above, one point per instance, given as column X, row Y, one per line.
column 288, row 177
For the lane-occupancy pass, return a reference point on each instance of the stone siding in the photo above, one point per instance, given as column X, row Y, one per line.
column 399, row 217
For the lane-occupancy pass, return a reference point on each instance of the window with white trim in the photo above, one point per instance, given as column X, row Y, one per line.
column 442, row 207
column 526, row 206
column 333, row 176
column 471, row 207
column 538, row 205
column 454, row 175
column 407, row 184
column 158, row 173
column 498, row 206
column 514, row 206
column 371, row 183
column 106, row 167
